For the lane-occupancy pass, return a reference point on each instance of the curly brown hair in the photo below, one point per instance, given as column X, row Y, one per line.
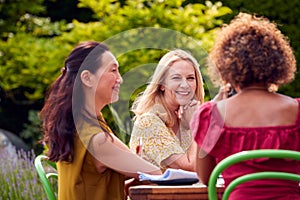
column 251, row 50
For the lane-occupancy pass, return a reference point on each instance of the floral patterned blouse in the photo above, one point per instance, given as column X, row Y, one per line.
column 158, row 141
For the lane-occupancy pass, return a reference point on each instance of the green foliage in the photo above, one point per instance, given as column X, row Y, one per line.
column 33, row 48
column 32, row 132
column 194, row 20
column 30, row 63
column 12, row 11
column 127, row 31
column 32, row 57
column 285, row 14
column 41, row 26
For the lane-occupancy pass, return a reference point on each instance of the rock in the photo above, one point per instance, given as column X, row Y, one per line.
column 8, row 140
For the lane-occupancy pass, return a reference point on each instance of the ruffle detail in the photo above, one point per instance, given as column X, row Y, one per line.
column 222, row 141
column 233, row 141
column 207, row 124
column 219, row 141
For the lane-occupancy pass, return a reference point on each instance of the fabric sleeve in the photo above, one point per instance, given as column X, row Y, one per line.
column 158, row 142
column 200, row 122
column 298, row 116
column 207, row 126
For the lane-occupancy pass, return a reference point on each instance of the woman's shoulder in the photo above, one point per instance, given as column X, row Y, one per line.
column 148, row 119
column 157, row 113
column 203, row 110
column 202, row 118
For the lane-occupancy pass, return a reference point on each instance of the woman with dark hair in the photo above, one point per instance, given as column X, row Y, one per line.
column 92, row 162
column 255, row 58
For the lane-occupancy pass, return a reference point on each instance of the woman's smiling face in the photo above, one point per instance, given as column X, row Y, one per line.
column 109, row 80
column 180, row 83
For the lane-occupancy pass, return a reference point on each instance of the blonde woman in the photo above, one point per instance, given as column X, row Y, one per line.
column 163, row 111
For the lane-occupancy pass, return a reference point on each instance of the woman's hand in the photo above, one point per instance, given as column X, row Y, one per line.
column 223, row 93
column 186, row 112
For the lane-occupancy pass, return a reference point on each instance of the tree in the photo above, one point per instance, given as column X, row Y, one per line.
column 33, row 57
column 12, row 11
column 285, row 14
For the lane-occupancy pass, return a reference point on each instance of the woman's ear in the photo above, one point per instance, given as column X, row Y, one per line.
column 86, row 78
column 162, row 88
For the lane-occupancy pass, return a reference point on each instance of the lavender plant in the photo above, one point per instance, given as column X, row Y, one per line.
column 18, row 178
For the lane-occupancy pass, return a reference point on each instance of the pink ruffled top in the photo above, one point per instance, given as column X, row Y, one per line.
column 220, row 141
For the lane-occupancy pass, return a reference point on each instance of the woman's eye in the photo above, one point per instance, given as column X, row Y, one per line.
column 191, row 78
column 176, row 77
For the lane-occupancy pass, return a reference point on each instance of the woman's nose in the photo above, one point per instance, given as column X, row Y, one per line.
column 120, row 79
column 184, row 83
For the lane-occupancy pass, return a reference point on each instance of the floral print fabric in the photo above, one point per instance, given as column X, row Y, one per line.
column 158, row 141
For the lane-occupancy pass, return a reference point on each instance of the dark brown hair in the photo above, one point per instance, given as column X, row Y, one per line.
column 58, row 121
column 252, row 50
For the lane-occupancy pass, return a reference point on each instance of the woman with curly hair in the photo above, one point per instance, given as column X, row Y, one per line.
column 92, row 163
column 254, row 57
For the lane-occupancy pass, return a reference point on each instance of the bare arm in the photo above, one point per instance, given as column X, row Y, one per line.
column 204, row 166
column 113, row 153
column 182, row 161
column 223, row 93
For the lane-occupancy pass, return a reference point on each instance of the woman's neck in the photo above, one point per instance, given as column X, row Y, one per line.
column 173, row 110
column 93, row 108
column 255, row 88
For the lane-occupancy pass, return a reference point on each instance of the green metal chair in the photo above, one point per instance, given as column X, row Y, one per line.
column 44, row 176
column 247, row 155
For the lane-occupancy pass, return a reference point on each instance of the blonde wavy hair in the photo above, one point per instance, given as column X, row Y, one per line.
column 153, row 95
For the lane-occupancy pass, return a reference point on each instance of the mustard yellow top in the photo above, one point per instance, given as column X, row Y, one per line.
column 79, row 180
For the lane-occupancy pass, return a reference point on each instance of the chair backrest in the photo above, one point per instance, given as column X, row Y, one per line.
column 247, row 155
column 44, row 176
